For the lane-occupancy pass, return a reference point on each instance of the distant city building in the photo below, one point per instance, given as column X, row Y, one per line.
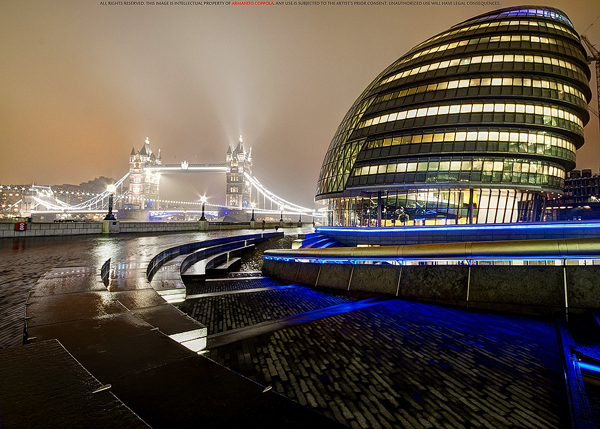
column 581, row 200
column 76, row 194
column 11, row 197
column 20, row 200
column 96, row 186
column 478, row 124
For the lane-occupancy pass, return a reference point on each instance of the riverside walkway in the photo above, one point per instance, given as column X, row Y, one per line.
column 137, row 375
column 378, row 363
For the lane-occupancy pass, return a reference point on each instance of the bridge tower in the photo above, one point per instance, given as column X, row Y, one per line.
column 143, row 184
column 239, row 189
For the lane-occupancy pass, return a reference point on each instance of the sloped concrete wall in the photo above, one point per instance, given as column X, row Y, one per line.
column 442, row 283
column 378, row 279
column 583, row 286
column 334, row 276
column 537, row 288
column 520, row 289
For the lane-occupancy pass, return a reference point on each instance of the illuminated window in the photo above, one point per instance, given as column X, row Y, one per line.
column 483, row 26
column 466, row 108
column 539, row 171
column 487, row 59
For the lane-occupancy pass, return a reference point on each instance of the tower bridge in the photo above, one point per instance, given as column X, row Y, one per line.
column 243, row 192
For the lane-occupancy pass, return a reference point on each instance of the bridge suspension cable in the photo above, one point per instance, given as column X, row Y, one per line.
column 98, row 198
column 274, row 198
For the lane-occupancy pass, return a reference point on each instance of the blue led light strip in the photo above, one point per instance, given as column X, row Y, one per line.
column 402, row 261
column 439, row 228
column 588, row 367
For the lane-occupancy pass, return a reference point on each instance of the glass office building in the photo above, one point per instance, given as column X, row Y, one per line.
column 478, row 124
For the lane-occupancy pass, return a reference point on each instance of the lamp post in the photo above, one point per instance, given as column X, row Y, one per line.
column 111, row 190
column 281, row 209
column 203, row 199
column 253, row 205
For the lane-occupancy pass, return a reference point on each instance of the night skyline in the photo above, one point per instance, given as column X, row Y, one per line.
column 83, row 83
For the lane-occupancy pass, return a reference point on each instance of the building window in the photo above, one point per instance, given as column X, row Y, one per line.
column 567, row 66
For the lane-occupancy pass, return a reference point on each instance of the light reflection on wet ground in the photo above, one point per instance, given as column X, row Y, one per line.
column 24, row 260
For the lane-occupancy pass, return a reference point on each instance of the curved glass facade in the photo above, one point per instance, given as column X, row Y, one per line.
column 478, row 124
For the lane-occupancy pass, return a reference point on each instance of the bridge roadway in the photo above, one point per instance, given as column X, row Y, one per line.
column 390, row 363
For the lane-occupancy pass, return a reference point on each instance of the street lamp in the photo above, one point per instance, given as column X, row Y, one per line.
column 253, row 205
column 111, row 190
column 281, row 218
column 203, row 199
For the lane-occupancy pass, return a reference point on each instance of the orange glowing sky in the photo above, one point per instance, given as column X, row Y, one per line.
column 81, row 83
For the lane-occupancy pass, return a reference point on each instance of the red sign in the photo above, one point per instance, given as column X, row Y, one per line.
column 21, row 226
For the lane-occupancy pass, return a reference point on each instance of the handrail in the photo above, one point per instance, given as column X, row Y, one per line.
column 562, row 248
column 166, row 255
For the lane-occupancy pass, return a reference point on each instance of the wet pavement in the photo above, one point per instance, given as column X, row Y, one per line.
column 224, row 312
column 45, row 376
column 396, row 363
column 391, row 364
column 110, row 332
column 23, row 261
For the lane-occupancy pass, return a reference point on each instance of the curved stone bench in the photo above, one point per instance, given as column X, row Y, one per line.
column 168, row 281
column 166, row 255
column 201, row 269
column 165, row 269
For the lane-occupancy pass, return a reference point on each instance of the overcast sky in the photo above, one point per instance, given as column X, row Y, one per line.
column 81, row 83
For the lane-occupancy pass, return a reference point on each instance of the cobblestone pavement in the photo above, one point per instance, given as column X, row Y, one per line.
column 233, row 311
column 253, row 261
column 231, row 284
column 399, row 364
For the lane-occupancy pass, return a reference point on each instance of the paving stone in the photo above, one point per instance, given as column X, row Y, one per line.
column 43, row 385
column 227, row 312
column 432, row 364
